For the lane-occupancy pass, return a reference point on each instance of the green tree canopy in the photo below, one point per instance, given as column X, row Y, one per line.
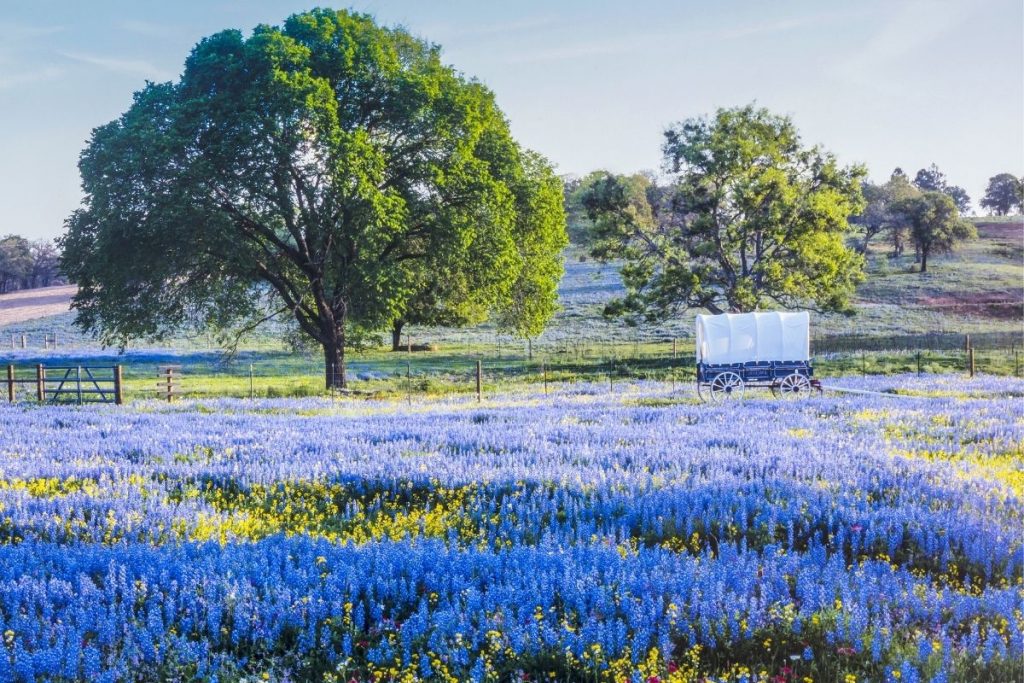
column 750, row 218
column 1004, row 192
column 15, row 262
column 540, row 212
column 935, row 224
column 879, row 214
column 456, row 294
column 931, row 179
column 329, row 169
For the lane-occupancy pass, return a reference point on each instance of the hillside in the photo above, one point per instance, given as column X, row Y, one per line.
column 32, row 304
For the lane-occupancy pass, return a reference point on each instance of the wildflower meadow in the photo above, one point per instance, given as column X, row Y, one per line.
column 585, row 535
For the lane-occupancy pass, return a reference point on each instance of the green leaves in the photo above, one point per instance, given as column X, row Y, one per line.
column 1004, row 193
column 750, row 219
column 935, row 223
column 326, row 166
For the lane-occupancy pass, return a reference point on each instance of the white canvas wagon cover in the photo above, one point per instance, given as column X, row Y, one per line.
column 745, row 337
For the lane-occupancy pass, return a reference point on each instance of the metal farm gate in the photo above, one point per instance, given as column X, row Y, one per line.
column 75, row 384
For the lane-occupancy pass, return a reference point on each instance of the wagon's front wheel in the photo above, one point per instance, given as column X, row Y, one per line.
column 726, row 386
column 793, row 386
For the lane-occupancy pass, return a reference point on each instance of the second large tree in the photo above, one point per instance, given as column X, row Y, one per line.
column 750, row 219
column 317, row 168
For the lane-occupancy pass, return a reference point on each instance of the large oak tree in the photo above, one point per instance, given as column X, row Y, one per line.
column 326, row 170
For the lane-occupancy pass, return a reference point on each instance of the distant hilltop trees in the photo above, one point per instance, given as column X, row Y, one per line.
column 25, row 264
column 1005, row 192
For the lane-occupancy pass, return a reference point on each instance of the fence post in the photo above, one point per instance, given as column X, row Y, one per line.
column 40, row 382
column 544, row 372
column 118, row 386
column 168, row 385
column 674, row 354
column 10, row 383
column 252, row 392
column 408, row 382
column 479, row 380
column 863, row 365
column 970, row 360
column 24, row 341
column 918, row 363
column 78, row 383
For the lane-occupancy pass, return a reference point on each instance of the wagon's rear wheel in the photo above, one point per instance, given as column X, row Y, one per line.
column 726, row 386
column 794, row 385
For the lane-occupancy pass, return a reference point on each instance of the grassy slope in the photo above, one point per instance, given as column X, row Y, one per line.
column 965, row 291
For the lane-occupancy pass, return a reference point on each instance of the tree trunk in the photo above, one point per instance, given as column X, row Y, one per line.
column 396, row 335
column 334, row 364
column 924, row 260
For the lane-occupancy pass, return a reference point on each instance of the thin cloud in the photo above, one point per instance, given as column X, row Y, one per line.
column 456, row 32
column 654, row 40
column 770, row 27
column 119, row 65
column 144, row 28
column 906, row 30
column 12, row 31
column 601, row 48
column 13, row 80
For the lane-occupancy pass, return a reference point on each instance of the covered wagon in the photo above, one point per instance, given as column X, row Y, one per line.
column 740, row 350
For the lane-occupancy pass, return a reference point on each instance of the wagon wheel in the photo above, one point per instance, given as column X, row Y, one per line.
column 727, row 385
column 702, row 394
column 793, row 385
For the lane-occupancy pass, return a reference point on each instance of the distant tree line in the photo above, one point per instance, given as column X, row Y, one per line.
column 924, row 213
column 25, row 264
column 1003, row 196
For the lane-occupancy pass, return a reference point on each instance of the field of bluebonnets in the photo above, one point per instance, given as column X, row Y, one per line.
column 581, row 536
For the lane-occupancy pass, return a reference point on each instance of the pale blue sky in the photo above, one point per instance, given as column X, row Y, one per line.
column 588, row 84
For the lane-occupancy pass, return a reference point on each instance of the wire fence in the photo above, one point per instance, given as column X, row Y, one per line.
column 491, row 368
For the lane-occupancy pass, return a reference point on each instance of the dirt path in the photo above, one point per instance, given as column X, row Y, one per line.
column 30, row 304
